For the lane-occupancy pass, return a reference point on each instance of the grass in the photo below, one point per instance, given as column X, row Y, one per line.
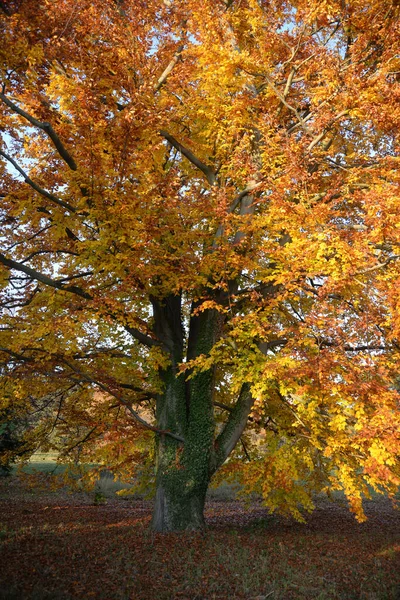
column 107, row 487
column 41, row 462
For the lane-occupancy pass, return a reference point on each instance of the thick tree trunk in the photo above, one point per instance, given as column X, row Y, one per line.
column 179, row 503
column 177, row 513
column 184, row 408
column 183, row 469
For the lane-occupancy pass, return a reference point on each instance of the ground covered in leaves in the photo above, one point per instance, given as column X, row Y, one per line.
column 60, row 546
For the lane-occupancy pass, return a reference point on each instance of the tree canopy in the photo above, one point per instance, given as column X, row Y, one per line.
column 200, row 219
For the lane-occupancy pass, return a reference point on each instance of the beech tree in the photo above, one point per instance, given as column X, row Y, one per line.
column 200, row 220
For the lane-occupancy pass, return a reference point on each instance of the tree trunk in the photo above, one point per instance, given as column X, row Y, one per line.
column 183, row 469
column 177, row 512
column 179, row 502
column 184, row 408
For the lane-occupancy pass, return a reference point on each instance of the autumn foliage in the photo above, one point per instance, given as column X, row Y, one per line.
column 200, row 219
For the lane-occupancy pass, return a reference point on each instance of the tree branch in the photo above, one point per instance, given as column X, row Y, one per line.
column 234, row 427
column 245, row 449
column 169, row 68
column 250, row 187
column 15, row 354
column 144, row 339
column 299, row 117
column 208, row 171
column 246, row 208
column 134, row 388
column 47, row 128
column 380, row 265
column 223, row 406
column 124, row 402
column 35, row 186
column 324, row 132
column 346, row 348
column 80, row 442
column 40, row 252
column 12, row 264
column 70, row 277
column 264, row 347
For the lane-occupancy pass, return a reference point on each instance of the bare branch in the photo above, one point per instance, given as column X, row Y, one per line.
column 289, row 82
column 246, row 208
column 245, row 449
column 208, row 171
column 288, row 106
column 46, row 127
column 250, row 187
column 169, row 68
column 323, row 133
column 12, row 264
column 142, row 392
column 346, row 348
column 70, row 277
column 264, row 347
column 80, row 442
column 35, row 186
column 223, row 406
column 57, row 284
column 286, row 91
column 14, row 354
column 144, row 339
column 234, row 427
column 40, row 252
column 380, row 265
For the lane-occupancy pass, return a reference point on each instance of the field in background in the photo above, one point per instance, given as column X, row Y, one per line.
column 107, row 487
column 73, row 546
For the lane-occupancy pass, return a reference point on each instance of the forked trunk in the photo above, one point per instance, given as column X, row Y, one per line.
column 185, row 408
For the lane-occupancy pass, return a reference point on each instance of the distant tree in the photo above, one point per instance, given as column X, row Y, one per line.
column 11, row 442
column 200, row 219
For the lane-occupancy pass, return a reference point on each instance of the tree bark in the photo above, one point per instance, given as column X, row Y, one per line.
column 177, row 512
column 183, row 470
column 182, row 479
column 180, row 495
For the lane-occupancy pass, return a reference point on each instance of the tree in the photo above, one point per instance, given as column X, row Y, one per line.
column 10, row 443
column 200, row 213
